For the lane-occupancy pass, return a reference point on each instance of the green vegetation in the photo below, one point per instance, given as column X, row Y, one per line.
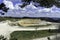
column 2, row 37
column 8, row 18
column 28, row 35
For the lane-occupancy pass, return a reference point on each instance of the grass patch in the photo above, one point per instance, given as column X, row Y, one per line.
column 27, row 35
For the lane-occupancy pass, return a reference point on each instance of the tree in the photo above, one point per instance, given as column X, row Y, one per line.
column 26, row 1
column 2, row 13
column 46, row 3
column 43, row 3
column 57, row 4
column 3, row 7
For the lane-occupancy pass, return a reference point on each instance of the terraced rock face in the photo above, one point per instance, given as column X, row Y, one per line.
column 32, row 22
